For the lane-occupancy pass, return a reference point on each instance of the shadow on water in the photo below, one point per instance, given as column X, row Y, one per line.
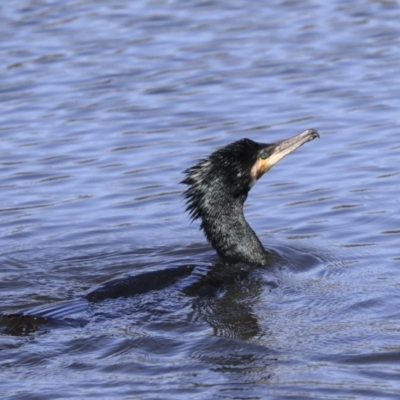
column 222, row 295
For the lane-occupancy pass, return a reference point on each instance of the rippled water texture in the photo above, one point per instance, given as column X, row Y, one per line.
column 105, row 103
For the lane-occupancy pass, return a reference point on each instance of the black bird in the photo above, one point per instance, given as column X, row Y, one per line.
column 217, row 189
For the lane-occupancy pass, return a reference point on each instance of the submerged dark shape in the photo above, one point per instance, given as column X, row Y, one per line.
column 58, row 315
column 217, row 189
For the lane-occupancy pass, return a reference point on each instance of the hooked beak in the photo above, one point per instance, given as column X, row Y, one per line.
column 281, row 149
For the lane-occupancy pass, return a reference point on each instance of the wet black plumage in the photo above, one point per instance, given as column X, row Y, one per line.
column 218, row 187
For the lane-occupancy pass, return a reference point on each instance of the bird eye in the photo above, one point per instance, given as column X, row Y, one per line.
column 264, row 154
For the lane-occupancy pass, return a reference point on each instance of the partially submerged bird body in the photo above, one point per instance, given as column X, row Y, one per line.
column 218, row 187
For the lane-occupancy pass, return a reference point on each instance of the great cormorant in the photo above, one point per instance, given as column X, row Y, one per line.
column 217, row 189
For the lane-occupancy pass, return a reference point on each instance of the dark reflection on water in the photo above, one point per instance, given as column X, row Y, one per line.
column 103, row 104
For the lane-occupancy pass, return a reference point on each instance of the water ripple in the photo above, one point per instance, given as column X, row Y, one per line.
column 105, row 104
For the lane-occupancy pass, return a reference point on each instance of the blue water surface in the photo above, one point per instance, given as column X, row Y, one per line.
column 105, row 103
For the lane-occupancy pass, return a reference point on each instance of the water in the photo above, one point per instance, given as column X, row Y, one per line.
column 104, row 104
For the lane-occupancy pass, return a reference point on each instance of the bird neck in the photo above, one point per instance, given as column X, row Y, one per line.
column 229, row 233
